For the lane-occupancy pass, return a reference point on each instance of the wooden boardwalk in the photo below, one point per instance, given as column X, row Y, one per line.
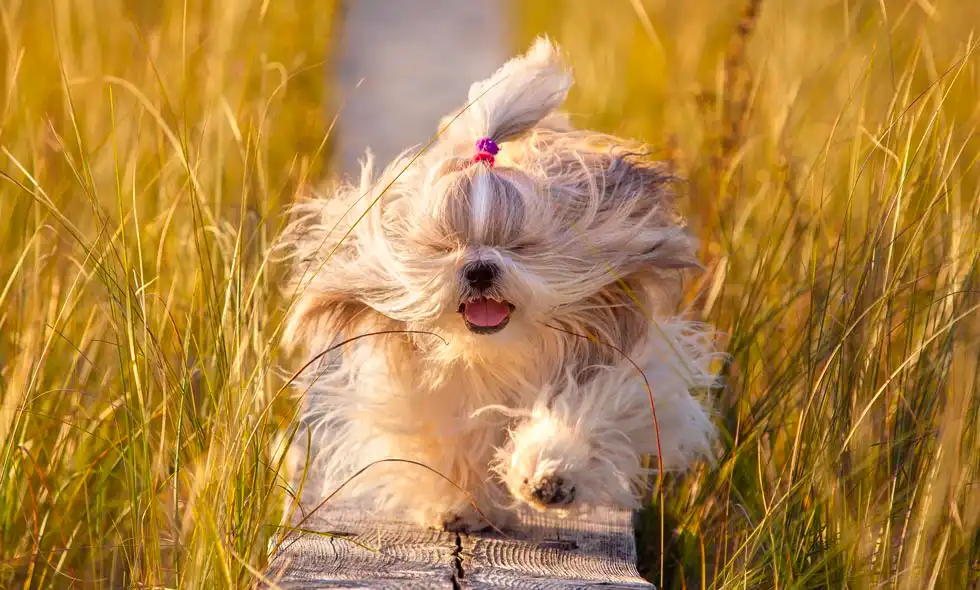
column 402, row 66
column 347, row 548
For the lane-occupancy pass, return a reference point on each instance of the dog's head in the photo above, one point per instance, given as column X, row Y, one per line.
column 560, row 231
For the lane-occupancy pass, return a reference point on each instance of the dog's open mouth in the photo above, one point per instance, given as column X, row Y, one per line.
column 485, row 316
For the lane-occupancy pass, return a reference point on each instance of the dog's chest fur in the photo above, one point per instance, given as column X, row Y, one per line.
column 445, row 404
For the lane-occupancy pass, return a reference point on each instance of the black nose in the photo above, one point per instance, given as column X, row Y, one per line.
column 480, row 275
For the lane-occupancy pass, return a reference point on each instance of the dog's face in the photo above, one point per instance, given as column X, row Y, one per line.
column 566, row 233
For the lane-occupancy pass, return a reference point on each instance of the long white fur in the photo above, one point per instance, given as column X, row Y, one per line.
column 591, row 251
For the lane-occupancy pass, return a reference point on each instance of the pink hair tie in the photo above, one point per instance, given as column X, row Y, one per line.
column 486, row 150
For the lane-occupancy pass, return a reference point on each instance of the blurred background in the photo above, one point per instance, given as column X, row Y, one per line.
column 148, row 151
column 402, row 66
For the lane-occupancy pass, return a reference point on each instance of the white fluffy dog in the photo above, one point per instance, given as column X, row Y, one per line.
column 516, row 299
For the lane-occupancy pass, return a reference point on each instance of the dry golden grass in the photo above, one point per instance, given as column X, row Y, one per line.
column 830, row 150
column 146, row 152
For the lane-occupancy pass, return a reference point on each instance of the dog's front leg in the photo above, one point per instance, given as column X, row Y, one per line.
column 583, row 445
column 412, row 454
column 561, row 458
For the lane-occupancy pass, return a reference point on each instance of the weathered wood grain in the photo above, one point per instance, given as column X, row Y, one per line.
column 585, row 551
column 348, row 547
column 364, row 553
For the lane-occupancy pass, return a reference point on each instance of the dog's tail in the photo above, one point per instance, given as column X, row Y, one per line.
column 518, row 96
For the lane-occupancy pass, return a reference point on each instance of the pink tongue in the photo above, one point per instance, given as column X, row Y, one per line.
column 486, row 312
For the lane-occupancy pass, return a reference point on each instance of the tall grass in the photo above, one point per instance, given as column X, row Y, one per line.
column 146, row 149
column 831, row 156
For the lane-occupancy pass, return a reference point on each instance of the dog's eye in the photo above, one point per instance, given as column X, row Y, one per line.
column 522, row 247
column 439, row 247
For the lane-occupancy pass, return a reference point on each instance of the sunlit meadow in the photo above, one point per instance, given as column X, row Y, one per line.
column 148, row 149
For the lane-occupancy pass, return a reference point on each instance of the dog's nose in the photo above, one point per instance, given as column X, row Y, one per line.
column 481, row 275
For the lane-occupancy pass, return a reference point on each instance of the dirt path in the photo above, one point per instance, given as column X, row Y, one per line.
column 406, row 63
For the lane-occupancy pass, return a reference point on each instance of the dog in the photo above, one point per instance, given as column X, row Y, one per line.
column 504, row 300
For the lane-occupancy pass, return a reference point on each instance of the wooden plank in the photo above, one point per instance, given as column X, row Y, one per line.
column 364, row 553
column 589, row 550
column 349, row 547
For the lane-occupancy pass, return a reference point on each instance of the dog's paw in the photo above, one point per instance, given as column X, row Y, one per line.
column 547, row 491
column 547, row 467
column 463, row 519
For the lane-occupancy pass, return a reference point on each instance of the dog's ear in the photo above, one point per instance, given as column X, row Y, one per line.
column 319, row 319
column 658, row 245
column 323, row 288
column 622, row 203
column 622, row 207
